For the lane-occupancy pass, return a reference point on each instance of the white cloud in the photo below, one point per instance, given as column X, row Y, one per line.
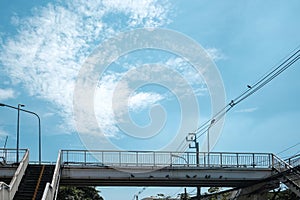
column 142, row 100
column 6, row 94
column 106, row 109
column 103, row 104
column 190, row 74
column 247, row 110
column 215, row 54
column 46, row 54
column 48, row 114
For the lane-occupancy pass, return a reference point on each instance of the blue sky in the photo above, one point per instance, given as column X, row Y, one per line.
column 43, row 45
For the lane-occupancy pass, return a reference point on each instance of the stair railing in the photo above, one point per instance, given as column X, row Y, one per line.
column 9, row 191
column 51, row 189
column 280, row 165
column 287, row 171
column 294, row 160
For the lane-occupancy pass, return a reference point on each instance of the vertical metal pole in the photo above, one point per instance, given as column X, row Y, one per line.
column 198, row 192
column 208, row 146
column 197, row 153
column 221, row 159
column 40, row 140
column 67, row 156
column 194, row 139
column 18, row 132
column 197, row 161
column 208, row 140
column 18, row 129
column 185, row 194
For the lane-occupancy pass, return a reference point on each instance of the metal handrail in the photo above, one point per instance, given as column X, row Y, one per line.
column 8, row 155
column 280, row 164
column 51, row 189
column 9, row 191
column 294, row 160
column 165, row 158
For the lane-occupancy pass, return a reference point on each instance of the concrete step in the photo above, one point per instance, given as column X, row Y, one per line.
column 30, row 180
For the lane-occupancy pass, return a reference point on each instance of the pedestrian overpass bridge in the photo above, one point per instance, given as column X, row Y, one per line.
column 143, row 168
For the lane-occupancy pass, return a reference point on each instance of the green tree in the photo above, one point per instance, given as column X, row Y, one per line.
column 184, row 196
column 78, row 193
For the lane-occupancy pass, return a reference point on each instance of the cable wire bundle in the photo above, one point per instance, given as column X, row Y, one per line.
column 283, row 65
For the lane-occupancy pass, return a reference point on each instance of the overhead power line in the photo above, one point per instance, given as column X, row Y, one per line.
column 286, row 62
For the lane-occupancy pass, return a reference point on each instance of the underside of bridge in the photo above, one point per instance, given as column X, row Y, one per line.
column 251, row 174
column 166, row 176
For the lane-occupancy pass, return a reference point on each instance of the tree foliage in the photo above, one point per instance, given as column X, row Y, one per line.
column 78, row 193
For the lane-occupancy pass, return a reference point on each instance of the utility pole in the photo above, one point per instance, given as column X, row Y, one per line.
column 208, row 145
column 18, row 128
column 192, row 137
column 185, row 194
column 18, row 131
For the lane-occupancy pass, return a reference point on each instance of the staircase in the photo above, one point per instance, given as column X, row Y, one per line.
column 291, row 178
column 34, row 181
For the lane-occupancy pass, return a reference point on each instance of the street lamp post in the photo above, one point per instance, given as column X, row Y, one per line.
column 18, row 130
column 208, row 145
column 192, row 137
column 18, row 126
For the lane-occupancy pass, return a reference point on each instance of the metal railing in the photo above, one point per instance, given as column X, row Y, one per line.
column 294, row 160
column 8, row 191
column 9, row 156
column 163, row 158
column 280, row 165
column 51, row 189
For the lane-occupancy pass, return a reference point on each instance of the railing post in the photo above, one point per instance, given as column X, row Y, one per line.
column 237, row 159
column 208, row 159
column 102, row 158
column 5, row 155
column 61, row 157
column 85, row 157
column 221, row 160
column 253, row 160
column 137, row 158
column 154, row 158
column 67, row 155
column 188, row 159
column 120, row 162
